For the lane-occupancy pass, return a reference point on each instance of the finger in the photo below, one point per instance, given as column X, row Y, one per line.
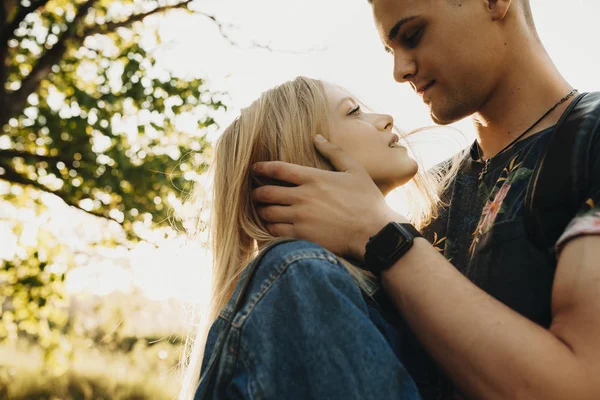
column 336, row 156
column 281, row 230
column 277, row 214
column 281, row 195
column 292, row 173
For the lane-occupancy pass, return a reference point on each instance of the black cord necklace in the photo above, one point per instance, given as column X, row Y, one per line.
column 487, row 162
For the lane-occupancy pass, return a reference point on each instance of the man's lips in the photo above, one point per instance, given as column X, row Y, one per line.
column 421, row 89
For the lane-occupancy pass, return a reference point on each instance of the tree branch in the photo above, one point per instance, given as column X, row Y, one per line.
column 3, row 16
column 220, row 26
column 16, row 101
column 253, row 44
column 3, row 77
column 112, row 26
column 9, row 28
column 12, row 176
column 11, row 153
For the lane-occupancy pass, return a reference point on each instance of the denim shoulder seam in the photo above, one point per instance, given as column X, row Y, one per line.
column 213, row 357
column 254, row 389
column 268, row 283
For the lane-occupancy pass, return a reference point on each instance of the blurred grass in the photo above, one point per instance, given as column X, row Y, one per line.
column 146, row 372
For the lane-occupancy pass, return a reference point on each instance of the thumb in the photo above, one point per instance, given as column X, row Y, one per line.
column 336, row 156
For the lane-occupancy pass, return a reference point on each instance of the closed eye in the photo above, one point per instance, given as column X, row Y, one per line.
column 412, row 39
column 354, row 110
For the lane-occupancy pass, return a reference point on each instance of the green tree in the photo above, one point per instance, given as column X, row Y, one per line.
column 88, row 114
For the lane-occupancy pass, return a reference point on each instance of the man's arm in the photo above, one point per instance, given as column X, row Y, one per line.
column 489, row 350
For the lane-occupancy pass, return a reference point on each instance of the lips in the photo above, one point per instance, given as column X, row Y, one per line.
column 395, row 142
column 421, row 89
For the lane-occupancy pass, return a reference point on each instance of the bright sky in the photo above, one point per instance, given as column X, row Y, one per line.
column 352, row 57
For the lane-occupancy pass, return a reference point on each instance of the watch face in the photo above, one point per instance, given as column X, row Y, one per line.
column 388, row 242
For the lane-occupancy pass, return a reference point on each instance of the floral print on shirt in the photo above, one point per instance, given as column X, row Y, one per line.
column 481, row 230
column 438, row 242
column 495, row 205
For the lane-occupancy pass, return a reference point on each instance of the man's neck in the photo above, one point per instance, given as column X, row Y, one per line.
column 531, row 86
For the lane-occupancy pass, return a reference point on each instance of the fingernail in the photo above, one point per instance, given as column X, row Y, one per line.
column 320, row 138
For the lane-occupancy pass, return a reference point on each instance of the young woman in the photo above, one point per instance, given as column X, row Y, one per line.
column 271, row 352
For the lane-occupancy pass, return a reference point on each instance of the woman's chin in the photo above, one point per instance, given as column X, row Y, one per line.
column 400, row 176
column 406, row 172
column 393, row 184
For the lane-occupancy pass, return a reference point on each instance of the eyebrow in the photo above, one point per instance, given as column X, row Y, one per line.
column 345, row 99
column 396, row 28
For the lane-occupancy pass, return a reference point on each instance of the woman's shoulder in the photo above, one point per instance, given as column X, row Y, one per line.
column 281, row 255
column 271, row 269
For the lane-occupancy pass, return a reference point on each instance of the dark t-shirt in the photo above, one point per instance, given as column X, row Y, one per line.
column 482, row 233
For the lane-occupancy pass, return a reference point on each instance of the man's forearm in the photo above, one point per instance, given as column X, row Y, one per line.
column 487, row 349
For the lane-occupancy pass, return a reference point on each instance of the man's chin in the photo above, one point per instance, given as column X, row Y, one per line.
column 446, row 116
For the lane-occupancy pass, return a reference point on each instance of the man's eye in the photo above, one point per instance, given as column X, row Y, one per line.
column 411, row 40
column 355, row 110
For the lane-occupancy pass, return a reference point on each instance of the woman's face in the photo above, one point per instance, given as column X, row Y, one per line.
column 368, row 138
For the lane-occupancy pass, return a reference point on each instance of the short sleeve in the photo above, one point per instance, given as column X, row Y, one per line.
column 587, row 219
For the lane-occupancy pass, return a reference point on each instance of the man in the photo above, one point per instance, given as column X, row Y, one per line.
column 501, row 318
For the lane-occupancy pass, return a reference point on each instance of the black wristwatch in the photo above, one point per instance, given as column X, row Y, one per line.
column 388, row 245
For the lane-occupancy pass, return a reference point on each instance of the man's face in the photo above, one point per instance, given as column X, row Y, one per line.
column 451, row 52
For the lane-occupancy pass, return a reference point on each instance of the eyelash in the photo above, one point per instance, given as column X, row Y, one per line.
column 355, row 110
column 413, row 40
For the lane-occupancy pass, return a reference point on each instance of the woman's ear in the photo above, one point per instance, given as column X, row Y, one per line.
column 498, row 9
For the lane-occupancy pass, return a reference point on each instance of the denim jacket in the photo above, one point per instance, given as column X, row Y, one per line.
column 304, row 331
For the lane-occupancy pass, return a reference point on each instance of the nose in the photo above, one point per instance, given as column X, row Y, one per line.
column 384, row 122
column 405, row 67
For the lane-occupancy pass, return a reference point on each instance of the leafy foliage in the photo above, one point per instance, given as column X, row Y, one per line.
column 101, row 128
column 88, row 114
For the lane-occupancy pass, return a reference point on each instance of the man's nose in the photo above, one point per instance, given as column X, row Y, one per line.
column 405, row 67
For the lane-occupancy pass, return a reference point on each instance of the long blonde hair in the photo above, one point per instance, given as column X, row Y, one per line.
column 279, row 126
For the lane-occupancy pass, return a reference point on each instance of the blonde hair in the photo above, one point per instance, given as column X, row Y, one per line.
column 280, row 126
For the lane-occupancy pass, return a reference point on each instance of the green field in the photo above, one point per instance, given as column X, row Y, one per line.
column 91, row 372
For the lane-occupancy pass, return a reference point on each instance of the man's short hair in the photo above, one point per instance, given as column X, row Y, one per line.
column 525, row 6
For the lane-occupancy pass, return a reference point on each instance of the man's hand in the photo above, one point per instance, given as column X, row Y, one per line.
column 339, row 210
